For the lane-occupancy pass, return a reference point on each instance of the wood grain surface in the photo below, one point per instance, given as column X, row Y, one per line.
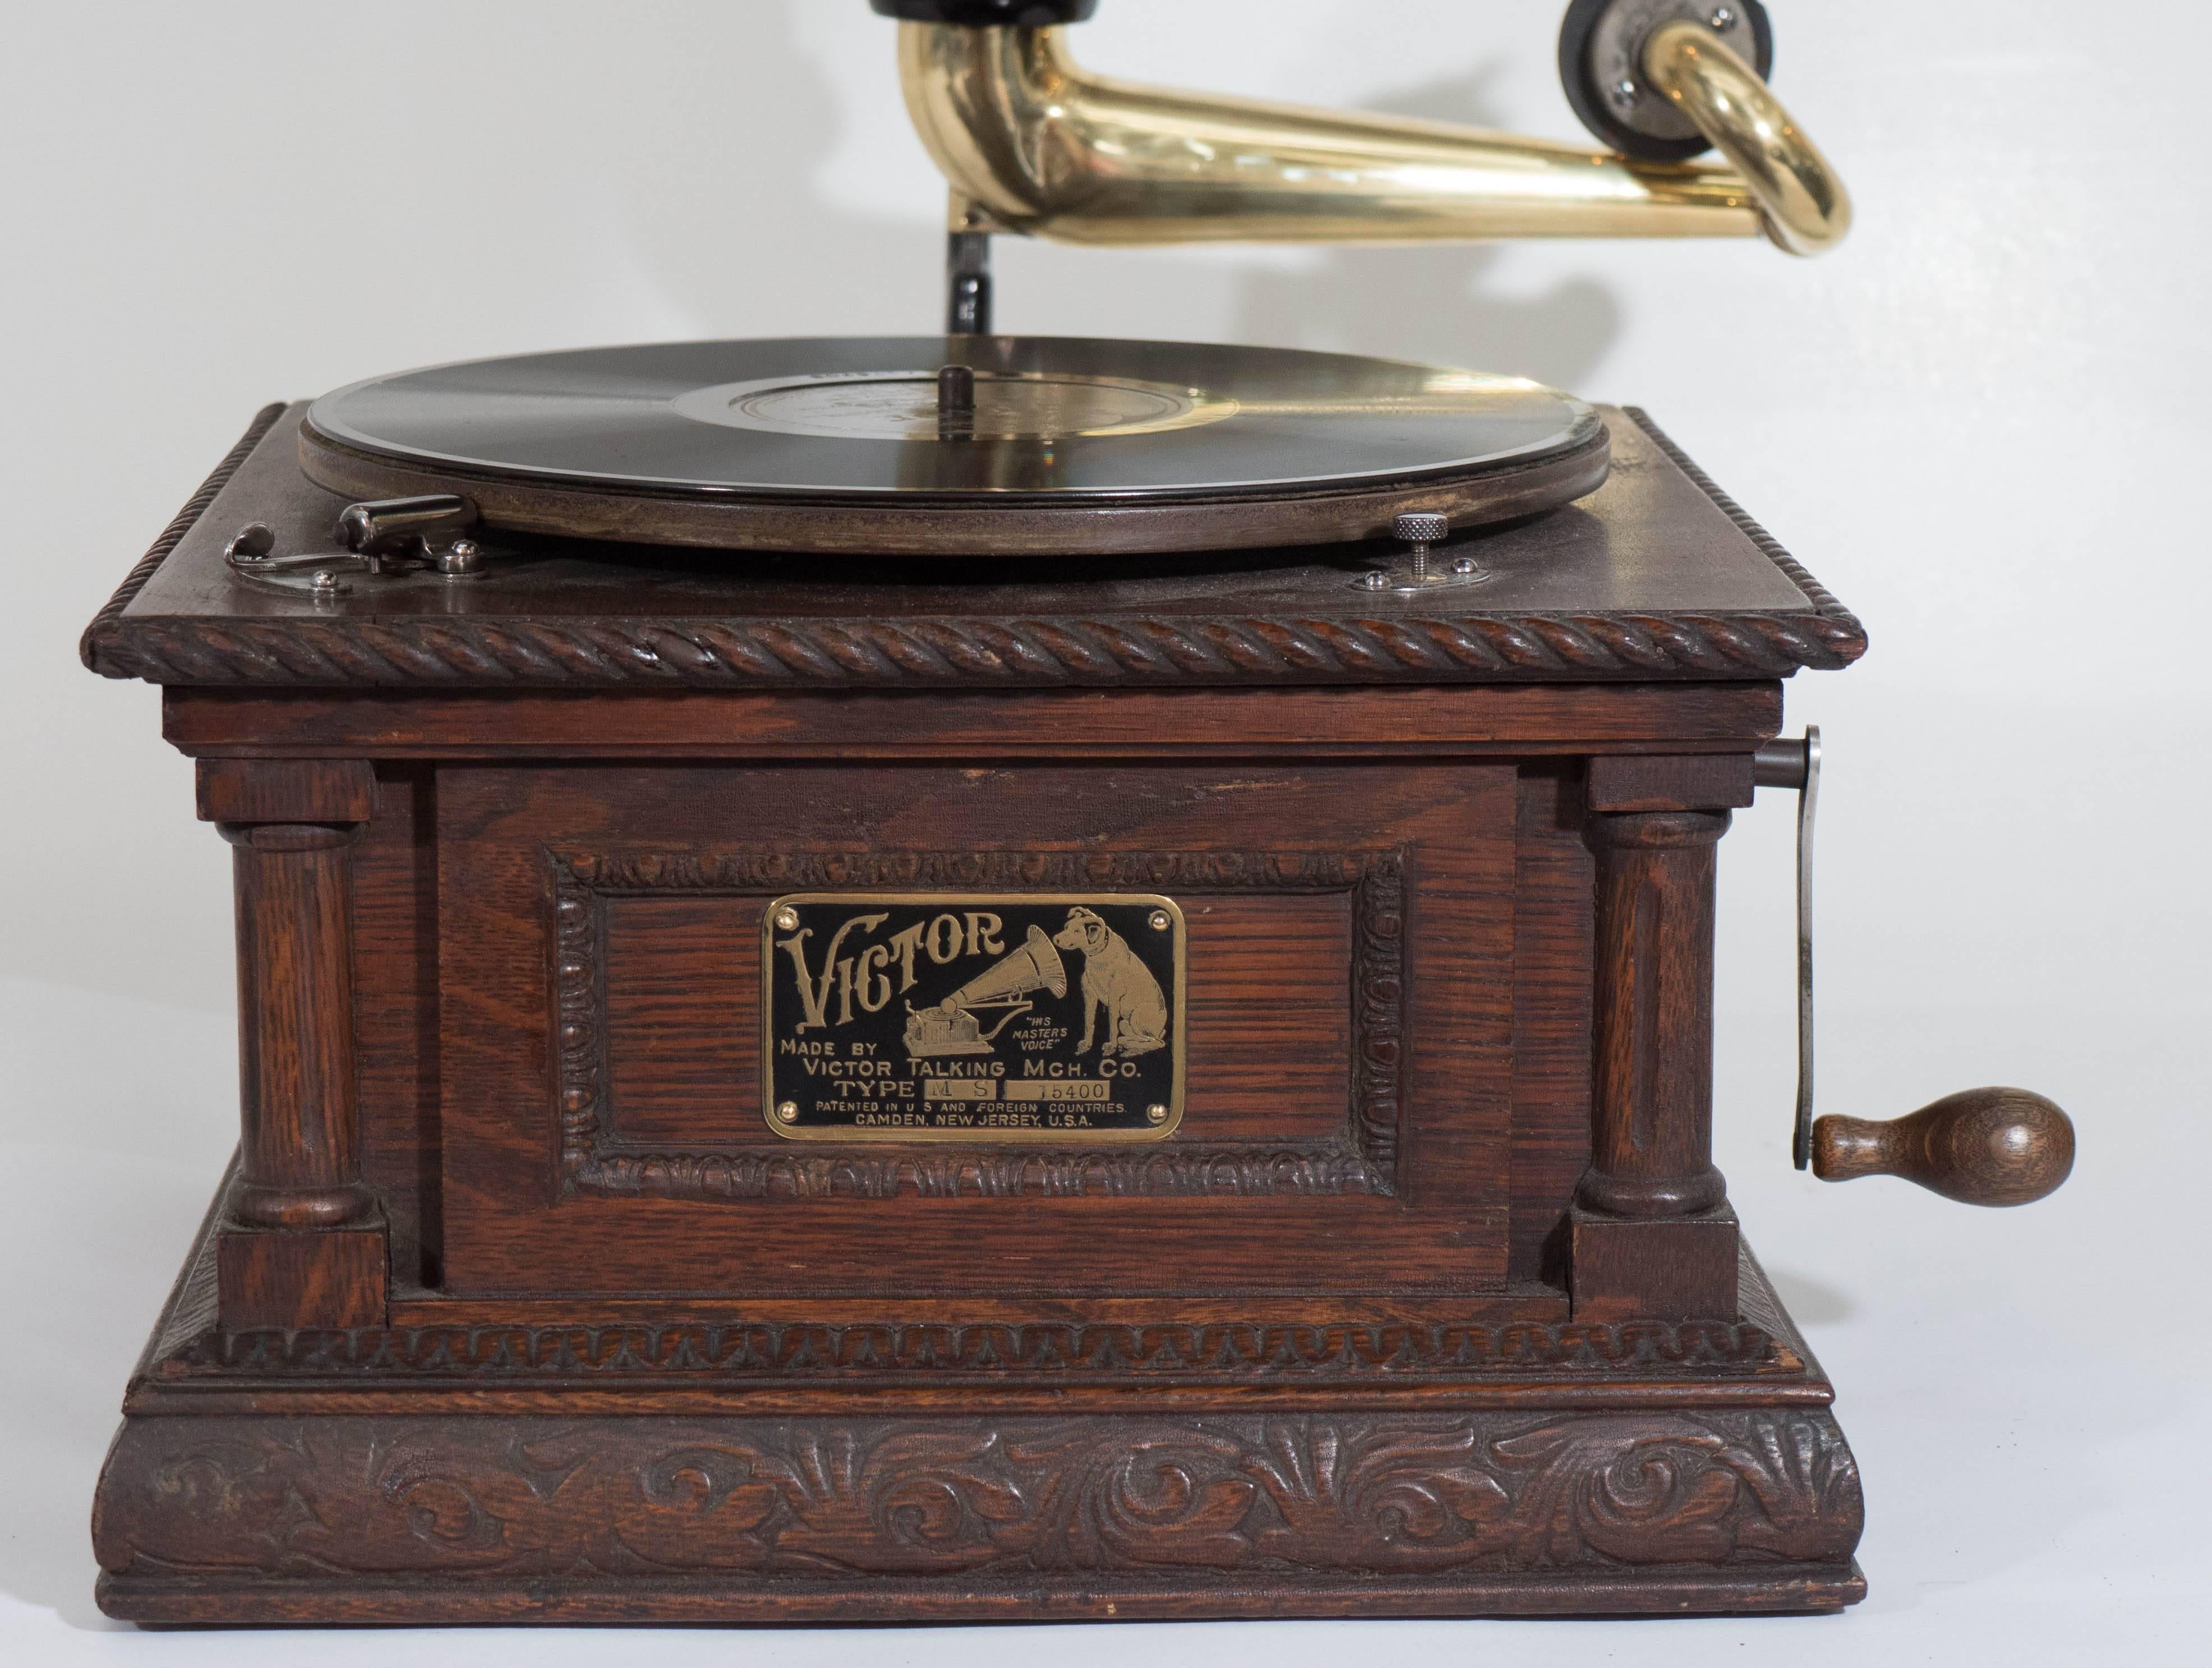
column 514, row 1282
column 1657, row 575
column 704, row 832
column 485, row 1518
column 803, row 1473
column 1471, row 721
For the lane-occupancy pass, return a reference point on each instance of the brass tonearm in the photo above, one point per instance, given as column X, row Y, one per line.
column 1034, row 144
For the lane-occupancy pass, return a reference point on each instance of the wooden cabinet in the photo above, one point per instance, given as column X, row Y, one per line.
column 1426, row 1300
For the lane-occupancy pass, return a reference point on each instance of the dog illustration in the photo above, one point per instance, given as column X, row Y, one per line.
column 1112, row 977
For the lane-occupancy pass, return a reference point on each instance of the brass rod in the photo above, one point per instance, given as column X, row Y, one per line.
column 1042, row 147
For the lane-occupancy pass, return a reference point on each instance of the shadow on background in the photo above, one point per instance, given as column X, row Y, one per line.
column 718, row 166
column 135, row 1105
column 1434, row 303
column 1812, row 1302
column 720, row 196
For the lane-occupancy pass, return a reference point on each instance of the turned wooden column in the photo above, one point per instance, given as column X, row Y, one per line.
column 299, row 1149
column 1651, row 1123
column 303, row 1243
column 1652, row 1234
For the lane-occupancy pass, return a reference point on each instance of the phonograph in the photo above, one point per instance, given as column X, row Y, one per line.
column 984, row 976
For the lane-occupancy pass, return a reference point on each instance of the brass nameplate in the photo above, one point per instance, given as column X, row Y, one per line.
column 1000, row 1016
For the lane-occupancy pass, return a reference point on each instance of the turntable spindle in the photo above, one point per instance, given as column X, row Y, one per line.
column 956, row 403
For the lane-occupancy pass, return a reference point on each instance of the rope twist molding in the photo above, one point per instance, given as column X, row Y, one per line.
column 1100, row 650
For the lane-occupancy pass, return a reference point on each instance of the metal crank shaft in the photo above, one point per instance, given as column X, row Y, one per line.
column 1796, row 763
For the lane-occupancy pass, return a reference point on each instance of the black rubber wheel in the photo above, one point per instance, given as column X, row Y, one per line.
column 988, row 14
column 1593, row 104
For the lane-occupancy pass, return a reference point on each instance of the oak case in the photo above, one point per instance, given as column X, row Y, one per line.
column 1431, row 1302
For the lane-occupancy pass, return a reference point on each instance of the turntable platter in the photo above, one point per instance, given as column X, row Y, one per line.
column 959, row 445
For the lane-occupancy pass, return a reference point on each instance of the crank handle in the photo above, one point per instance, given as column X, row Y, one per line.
column 1984, row 1147
column 1980, row 1147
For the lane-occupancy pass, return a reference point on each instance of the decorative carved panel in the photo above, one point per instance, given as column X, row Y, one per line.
column 812, row 1500
column 594, row 1157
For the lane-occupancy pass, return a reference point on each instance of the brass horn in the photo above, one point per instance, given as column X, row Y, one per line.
column 1032, row 143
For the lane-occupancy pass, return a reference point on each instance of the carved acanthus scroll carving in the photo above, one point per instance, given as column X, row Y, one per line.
column 802, row 1501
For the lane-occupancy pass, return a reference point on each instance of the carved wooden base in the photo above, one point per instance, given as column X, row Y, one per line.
column 412, row 1602
column 377, row 1476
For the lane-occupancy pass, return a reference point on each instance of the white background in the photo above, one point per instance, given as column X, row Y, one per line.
column 1982, row 424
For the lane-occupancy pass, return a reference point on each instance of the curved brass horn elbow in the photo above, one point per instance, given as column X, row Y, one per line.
column 1807, row 209
column 1039, row 146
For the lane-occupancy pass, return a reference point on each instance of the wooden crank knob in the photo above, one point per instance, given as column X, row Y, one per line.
column 1980, row 1147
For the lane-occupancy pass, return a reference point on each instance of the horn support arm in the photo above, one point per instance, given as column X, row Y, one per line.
column 1039, row 146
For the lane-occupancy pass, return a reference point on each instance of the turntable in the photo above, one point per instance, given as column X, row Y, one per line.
column 984, row 977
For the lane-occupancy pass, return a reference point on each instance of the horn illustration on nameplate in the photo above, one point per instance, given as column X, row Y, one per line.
column 952, row 1026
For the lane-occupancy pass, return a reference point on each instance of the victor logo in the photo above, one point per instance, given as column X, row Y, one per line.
column 865, row 979
column 953, row 1016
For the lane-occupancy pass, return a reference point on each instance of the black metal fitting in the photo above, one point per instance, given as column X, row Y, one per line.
column 1595, row 104
column 988, row 14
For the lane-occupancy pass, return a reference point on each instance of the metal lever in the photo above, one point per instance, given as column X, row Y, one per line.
column 1786, row 763
column 395, row 532
column 383, row 536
